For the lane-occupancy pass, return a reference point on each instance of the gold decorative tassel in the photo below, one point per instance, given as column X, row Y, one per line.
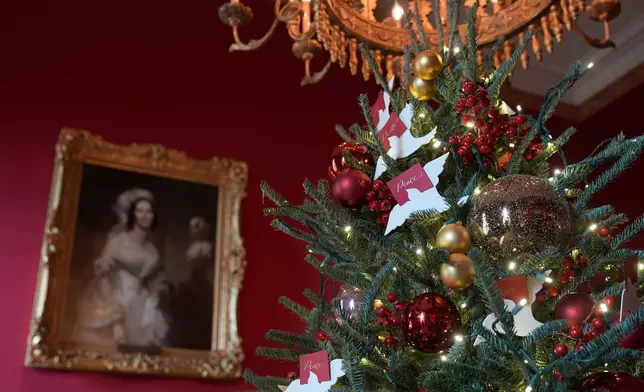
column 536, row 44
column 353, row 56
column 342, row 55
column 525, row 57
column 567, row 18
column 547, row 38
column 555, row 22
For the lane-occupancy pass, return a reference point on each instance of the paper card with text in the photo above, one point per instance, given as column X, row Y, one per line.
column 393, row 127
column 317, row 363
column 413, row 178
column 514, row 288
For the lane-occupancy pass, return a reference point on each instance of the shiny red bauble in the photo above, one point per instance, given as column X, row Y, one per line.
column 603, row 231
column 575, row 307
column 599, row 324
column 392, row 297
column 337, row 163
column 611, row 382
column 399, row 306
column 575, row 332
column 390, row 341
column 350, row 188
column 321, row 335
column 561, row 350
column 430, row 323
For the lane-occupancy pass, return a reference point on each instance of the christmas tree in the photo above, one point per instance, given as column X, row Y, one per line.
column 466, row 262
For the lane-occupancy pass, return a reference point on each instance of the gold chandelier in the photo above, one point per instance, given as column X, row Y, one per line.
column 339, row 26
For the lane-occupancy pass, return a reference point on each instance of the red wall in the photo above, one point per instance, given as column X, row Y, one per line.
column 159, row 71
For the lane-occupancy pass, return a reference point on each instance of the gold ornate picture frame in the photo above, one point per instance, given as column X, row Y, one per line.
column 115, row 295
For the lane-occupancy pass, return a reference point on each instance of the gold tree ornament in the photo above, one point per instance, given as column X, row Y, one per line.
column 422, row 90
column 454, row 238
column 458, row 274
column 428, row 65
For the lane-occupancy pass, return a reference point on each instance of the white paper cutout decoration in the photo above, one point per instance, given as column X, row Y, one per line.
column 380, row 110
column 524, row 321
column 506, row 109
column 402, row 147
column 313, row 385
column 417, row 200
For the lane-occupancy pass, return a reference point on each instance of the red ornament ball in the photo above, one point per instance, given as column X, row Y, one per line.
column 390, row 341
column 382, row 311
column 399, row 306
column 575, row 307
column 575, row 332
column 611, row 382
column 392, row 297
column 609, row 301
column 556, row 375
column 337, row 163
column 568, row 263
column 599, row 324
column 561, row 350
column 396, row 321
column 386, row 323
column 386, row 205
column 430, row 322
column 350, row 188
column 603, row 231
column 379, row 186
column 581, row 259
column 321, row 335
column 553, row 291
column 469, row 87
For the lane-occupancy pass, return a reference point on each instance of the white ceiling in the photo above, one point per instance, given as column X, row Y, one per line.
column 627, row 31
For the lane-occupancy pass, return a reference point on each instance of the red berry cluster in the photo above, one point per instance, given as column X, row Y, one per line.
column 490, row 126
column 569, row 268
column 381, row 200
column 598, row 324
column 388, row 319
column 321, row 335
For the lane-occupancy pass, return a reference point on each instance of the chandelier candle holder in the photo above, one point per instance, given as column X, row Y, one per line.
column 338, row 27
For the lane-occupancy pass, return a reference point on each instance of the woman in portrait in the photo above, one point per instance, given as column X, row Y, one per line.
column 122, row 303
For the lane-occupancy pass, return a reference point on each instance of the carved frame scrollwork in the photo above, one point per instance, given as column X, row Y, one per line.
column 46, row 350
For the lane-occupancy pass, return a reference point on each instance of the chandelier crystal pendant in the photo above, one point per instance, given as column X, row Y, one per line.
column 338, row 27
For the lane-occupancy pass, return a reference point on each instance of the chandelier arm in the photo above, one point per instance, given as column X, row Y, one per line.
column 596, row 42
column 253, row 43
column 308, row 79
column 285, row 14
column 296, row 36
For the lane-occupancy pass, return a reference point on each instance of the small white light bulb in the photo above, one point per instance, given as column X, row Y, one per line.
column 443, row 358
column 437, row 143
column 456, row 49
column 528, row 389
column 557, row 172
column 347, row 229
column 592, row 227
column 422, row 115
column 519, row 108
column 590, row 65
column 548, row 279
column 463, row 305
column 397, row 11
column 523, row 302
column 511, row 145
column 640, row 266
column 419, row 251
column 603, row 307
column 512, row 265
column 477, row 190
column 458, row 338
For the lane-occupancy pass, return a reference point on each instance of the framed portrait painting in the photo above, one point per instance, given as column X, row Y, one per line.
column 141, row 263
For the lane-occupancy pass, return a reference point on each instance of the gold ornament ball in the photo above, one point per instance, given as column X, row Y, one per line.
column 454, row 238
column 423, row 90
column 458, row 274
column 428, row 65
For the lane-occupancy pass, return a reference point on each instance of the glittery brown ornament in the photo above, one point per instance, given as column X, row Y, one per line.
column 516, row 217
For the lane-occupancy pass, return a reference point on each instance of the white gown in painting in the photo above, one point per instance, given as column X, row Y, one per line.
column 121, row 304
